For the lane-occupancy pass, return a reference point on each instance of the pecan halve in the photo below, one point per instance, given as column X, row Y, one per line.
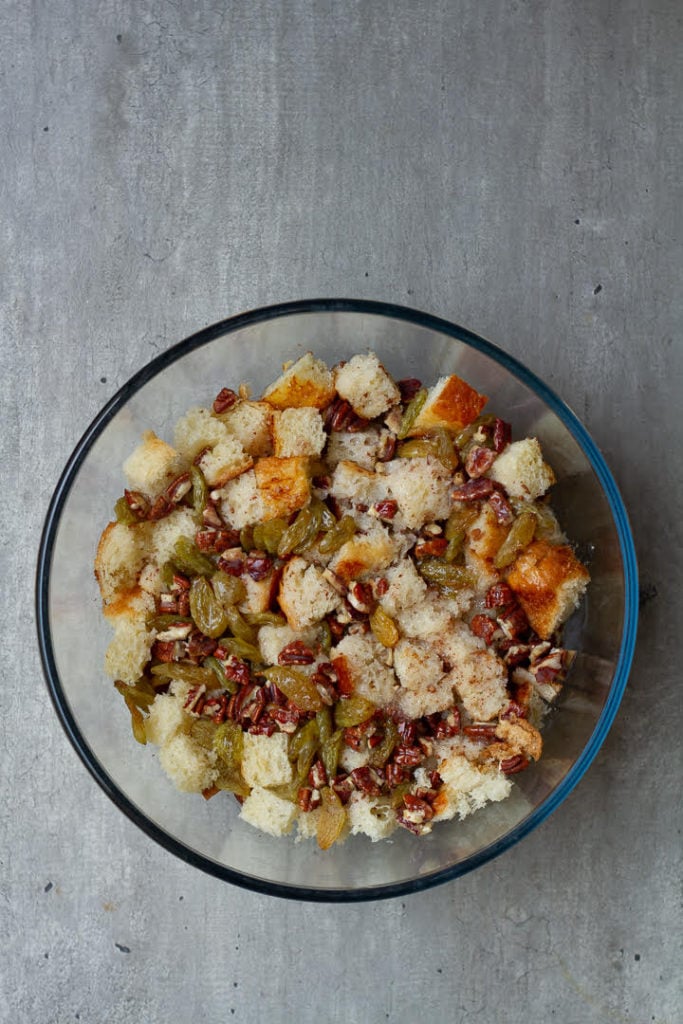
column 502, row 508
column 479, row 460
column 224, row 400
column 502, row 435
column 258, row 565
column 296, row 653
column 474, row 490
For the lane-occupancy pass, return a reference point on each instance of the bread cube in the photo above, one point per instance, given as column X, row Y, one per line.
column 265, row 761
column 307, row 382
column 425, row 689
column 165, row 533
column 298, row 432
column 368, row 816
column 120, row 557
column 522, row 471
column 361, row 447
column 406, row 587
column 549, row 581
column 268, row 812
column 305, row 596
column 196, row 430
column 241, row 501
column 467, row 787
column 363, row 554
column 451, row 404
column 484, row 537
column 422, row 488
column 283, row 485
column 365, row 383
column 166, row 718
column 129, row 650
column 353, row 483
column 191, row 767
column 365, row 664
column 153, row 465
column 250, row 423
column 224, row 462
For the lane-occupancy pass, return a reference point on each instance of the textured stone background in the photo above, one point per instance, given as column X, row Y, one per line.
column 513, row 166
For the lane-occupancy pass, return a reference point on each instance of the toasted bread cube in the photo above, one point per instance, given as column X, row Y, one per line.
column 305, row 596
column 484, row 537
column 298, row 432
column 251, row 424
column 549, row 582
column 268, row 812
column 351, row 482
column 451, row 403
column 224, row 462
column 241, row 501
column 191, row 767
column 166, row 718
column 521, row 736
column 425, row 688
column 196, row 430
column 467, row 787
column 260, row 593
column 265, row 761
column 364, row 662
column 120, row 557
column 153, row 465
column 129, row 651
column 480, row 681
column 365, row 383
column 406, row 587
column 283, row 485
column 307, row 382
column 422, row 487
column 364, row 554
column 522, row 471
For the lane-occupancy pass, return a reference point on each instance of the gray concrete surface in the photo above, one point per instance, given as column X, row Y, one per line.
column 513, row 166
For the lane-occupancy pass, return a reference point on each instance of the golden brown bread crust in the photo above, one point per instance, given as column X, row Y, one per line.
column 455, row 407
column 283, row 485
column 307, row 382
column 546, row 578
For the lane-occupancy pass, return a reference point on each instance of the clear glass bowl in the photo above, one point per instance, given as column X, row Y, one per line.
column 73, row 635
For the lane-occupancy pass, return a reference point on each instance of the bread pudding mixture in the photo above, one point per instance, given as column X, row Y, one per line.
column 341, row 602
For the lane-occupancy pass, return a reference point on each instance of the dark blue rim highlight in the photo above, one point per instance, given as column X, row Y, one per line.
column 423, row 320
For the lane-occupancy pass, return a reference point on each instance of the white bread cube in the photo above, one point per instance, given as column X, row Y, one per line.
column 368, row 816
column 467, row 787
column 365, row 664
column 424, row 687
column 250, row 423
column 166, row 718
column 224, row 462
column 260, row 593
column 265, row 761
column 361, row 447
column 241, row 501
column 522, row 471
column 120, row 557
column 268, row 812
column 365, row 383
column 150, row 579
column 164, row 534
column 283, row 485
column 549, row 581
column 353, row 483
column 272, row 639
column 129, row 650
column 191, row 767
column 196, row 430
column 484, row 537
column 433, row 615
column 298, row 432
column 153, row 465
column 305, row 596
column 406, row 587
column 451, row 404
column 422, row 488
column 363, row 555
column 480, row 681
column 307, row 382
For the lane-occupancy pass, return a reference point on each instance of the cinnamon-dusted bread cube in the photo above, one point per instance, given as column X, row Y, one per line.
column 298, row 432
column 305, row 596
column 153, row 465
column 307, row 382
column 478, row 675
column 365, row 383
column 283, row 485
column 549, row 581
column 466, row 786
column 364, row 554
column 362, row 661
column 406, row 587
column 425, row 688
column 241, row 501
column 120, row 557
column 251, row 423
column 354, row 483
column 522, row 471
column 483, row 539
column 451, row 403
column 224, row 462
column 361, row 447
column 422, row 488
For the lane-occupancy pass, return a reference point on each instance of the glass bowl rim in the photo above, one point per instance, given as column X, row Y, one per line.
column 421, row 319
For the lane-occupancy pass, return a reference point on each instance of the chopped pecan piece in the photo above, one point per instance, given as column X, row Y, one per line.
column 308, row 798
column 386, row 509
column 485, row 627
column 176, row 491
column 512, row 765
column 367, row 780
column 217, row 540
column 387, row 448
column 502, row 508
column 258, row 565
column 479, row 460
column 499, row 596
column 224, row 400
column 236, row 670
column 317, row 776
column 474, row 490
column 200, row 646
column 296, row 653
column 480, row 731
column 502, row 435
column 137, row 503
column 168, row 650
column 435, row 546
column 408, row 388
column 409, row 757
